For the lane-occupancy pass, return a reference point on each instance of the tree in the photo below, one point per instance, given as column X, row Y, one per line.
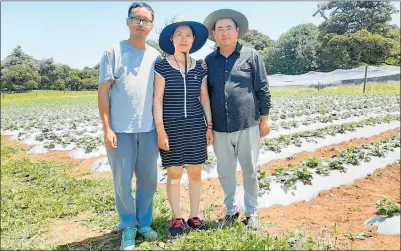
column 60, row 84
column 47, row 69
column 357, row 32
column 75, row 82
column 20, row 78
column 353, row 16
column 32, row 85
column 257, row 40
column 353, row 49
column 18, row 57
column 155, row 44
column 295, row 52
column 393, row 32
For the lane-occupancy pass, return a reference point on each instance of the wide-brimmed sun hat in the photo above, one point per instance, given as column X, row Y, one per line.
column 200, row 32
column 237, row 16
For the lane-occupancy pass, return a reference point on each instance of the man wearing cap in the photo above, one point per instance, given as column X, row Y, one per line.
column 125, row 105
column 240, row 103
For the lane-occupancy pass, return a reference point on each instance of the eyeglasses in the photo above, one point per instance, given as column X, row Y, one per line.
column 137, row 20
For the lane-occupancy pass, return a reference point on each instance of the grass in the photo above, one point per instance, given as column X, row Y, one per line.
column 45, row 94
column 391, row 87
column 388, row 88
column 49, row 102
column 35, row 194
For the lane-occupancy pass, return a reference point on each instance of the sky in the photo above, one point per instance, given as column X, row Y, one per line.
column 77, row 33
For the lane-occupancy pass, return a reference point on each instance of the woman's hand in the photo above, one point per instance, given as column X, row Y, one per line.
column 204, row 65
column 209, row 137
column 162, row 139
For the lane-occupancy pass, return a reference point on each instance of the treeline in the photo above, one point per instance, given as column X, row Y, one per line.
column 21, row 72
column 353, row 34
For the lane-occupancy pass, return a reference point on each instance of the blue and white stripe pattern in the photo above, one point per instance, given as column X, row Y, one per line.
column 183, row 115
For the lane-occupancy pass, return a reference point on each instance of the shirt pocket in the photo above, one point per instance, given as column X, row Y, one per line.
column 242, row 68
column 242, row 75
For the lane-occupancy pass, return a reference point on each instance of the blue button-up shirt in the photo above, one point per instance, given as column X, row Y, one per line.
column 238, row 89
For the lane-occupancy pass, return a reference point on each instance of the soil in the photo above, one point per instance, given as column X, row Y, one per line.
column 68, row 230
column 328, row 216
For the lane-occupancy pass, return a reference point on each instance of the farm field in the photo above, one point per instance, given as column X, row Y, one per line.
column 329, row 175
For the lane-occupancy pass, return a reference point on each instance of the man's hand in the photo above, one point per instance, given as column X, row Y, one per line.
column 110, row 139
column 264, row 126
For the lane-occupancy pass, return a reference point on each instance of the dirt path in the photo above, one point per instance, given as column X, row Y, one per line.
column 66, row 231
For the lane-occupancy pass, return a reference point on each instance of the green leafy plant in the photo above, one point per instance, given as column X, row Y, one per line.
column 312, row 162
column 211, row 159
column 387, row 207
column 336, row 165
column 360, row 236
column 264, row 185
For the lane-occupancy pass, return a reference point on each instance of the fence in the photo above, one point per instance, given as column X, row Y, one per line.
column 321, row 80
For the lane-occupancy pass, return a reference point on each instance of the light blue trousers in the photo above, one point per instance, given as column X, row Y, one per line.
column 243, row 147
column 135, row 153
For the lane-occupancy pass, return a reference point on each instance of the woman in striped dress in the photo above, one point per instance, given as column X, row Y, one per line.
column 182, row 116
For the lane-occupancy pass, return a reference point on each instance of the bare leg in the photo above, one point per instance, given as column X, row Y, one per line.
column 195, row 187
column 174, row 175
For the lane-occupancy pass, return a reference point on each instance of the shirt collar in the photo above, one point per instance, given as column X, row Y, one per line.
column 237, row 49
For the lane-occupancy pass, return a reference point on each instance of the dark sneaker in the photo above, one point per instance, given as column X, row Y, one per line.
column 177, row 227
column 196, row 223
column 252, row 222
column 230, row 219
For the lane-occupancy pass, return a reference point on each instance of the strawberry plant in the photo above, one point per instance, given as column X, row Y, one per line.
column 39, row 137
column 336, row 165
column 352, row 158
column 211, row 159
column 323, row 170
column 50, row 145
column 387, row 207
column 290, row 174
column 377, row 151
column 312, row 162
column 264, row 185
column 360, row 236
column 303, row 174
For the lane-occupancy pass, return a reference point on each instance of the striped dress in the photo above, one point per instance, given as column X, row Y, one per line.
column 183, row 115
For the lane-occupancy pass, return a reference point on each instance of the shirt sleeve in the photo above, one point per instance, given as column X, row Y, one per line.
column 159, row 69
column 106, row 69
column 261, row 85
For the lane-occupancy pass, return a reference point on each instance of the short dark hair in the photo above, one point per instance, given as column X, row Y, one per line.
column 141, row 5
column 235, row 23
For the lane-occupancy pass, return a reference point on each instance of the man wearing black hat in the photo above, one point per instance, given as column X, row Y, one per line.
column 240, row 103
